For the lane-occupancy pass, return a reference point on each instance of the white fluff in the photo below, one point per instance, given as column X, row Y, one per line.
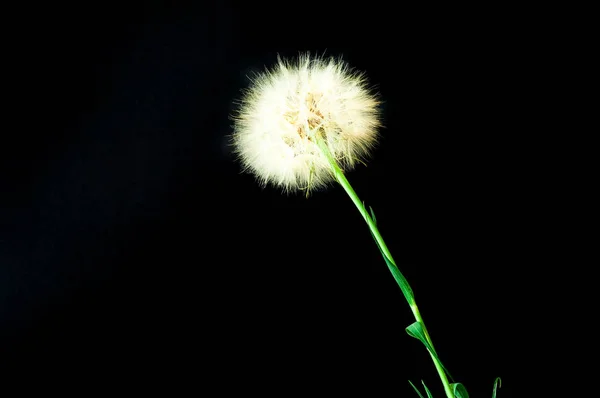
column 286, row 107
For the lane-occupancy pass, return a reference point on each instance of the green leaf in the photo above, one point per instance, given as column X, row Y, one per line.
column 416, row 389
column 459, row 390
column 497, row 384
column 372, row 215
column 416, row 330
column 427, row 390
column 400, row 279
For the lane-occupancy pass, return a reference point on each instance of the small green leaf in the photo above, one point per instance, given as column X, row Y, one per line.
column 416, row 330
column 372, row 215
column 497, row 384
column 459, row 390
column 400, row 279
column 418, row 392
column 427, row 390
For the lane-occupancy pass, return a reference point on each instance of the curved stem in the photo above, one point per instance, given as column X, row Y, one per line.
column 341, row 179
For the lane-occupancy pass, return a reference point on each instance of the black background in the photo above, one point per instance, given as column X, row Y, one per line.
column 135, row 256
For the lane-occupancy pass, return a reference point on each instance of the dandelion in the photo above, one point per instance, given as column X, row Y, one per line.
column 287, row 109
column 302, row 125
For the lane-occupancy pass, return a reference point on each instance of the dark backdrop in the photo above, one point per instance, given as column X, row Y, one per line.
column 135, row 256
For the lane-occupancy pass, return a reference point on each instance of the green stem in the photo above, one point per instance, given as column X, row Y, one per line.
column 341, row 179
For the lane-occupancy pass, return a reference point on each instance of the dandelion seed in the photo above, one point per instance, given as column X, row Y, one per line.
column 284, row 111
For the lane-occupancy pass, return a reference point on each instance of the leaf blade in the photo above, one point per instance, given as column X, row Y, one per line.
column 427, row 390
column 497, row 384
column 418, row 392
column 417, row 331
column 459, row 390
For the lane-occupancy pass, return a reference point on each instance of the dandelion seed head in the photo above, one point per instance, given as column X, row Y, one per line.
column 283, row 110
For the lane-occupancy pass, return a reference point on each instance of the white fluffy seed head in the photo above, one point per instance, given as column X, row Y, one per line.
column 283, row 110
